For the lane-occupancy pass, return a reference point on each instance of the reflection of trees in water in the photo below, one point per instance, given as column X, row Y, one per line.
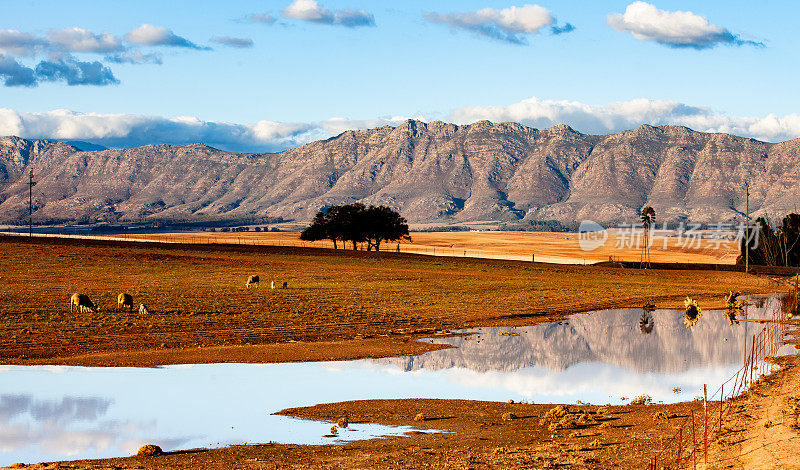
column 733, row 307
column 646, row 322
column 693, row 312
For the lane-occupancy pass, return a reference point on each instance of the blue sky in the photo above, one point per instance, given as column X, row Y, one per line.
column 399, row 60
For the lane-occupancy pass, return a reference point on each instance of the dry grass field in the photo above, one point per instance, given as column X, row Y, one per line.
column 338, row 305
column 197, row 297
column 549, row 247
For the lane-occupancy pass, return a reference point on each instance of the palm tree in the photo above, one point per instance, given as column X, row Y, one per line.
column 648, row 219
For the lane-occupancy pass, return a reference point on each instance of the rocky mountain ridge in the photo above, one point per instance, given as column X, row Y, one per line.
column 431, row 172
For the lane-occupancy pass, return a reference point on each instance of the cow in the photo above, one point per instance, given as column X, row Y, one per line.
column 143, row 310
column 252, row 280
column 125, row 300
column 81, row 303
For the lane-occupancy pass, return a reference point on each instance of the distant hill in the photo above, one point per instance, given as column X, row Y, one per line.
column 434, row 172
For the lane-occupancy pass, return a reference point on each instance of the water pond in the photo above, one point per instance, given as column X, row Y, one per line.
column 58, row 413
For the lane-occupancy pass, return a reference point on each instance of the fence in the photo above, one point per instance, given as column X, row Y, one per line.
column 689, row 443
column 254, row 240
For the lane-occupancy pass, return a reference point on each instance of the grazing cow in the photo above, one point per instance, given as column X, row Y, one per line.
column 272, row 285
column 143, row 310
column 125, row 300
column 285, row 284
column 81, row 303
column 252, row 280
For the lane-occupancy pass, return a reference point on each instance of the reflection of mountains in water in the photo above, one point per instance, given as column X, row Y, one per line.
column 610, row 336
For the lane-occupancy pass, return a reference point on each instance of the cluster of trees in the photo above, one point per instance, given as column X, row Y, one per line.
column 357, row 223
column 773, row 246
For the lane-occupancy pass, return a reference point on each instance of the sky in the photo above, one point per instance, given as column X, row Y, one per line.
column 269, row 75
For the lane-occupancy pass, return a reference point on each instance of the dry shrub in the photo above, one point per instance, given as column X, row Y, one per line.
column 642, row 400
column 554, row 413
column 509, row 416
column 419, row 417
column 596, row 444
column 660, row 415
column 149, row 450
column 566, row 422
column 606, row 425
column 343, row 423
column 585, row 419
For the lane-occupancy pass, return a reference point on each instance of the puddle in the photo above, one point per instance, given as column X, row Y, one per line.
column 60, row 413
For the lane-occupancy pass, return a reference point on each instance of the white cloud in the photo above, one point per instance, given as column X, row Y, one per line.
column 618, row 116
column 17, row 43
column 337, row 125
column 240, row 43
column 509, row 24
column 129, row 130
column 672, row 28
column 260, row 18
column 134, row 57
column 312, row 11
column 150, row 35
column 82, row 40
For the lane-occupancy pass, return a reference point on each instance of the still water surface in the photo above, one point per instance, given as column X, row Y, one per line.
column 57, row 413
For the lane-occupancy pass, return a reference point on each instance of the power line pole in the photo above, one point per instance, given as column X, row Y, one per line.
column 747, row 227
column 31, row 184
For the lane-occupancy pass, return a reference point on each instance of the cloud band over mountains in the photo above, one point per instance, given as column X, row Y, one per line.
column 128, row 130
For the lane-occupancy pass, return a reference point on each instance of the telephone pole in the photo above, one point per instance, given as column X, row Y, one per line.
column 31, row 184
column 747, row 225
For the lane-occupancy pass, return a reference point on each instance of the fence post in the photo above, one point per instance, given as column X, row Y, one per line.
column 721, row 405
column 752, row 357
column 705, row 422
column 680, row 444
column 694, row 445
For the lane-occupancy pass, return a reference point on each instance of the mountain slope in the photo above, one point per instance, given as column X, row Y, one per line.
column 431, row 172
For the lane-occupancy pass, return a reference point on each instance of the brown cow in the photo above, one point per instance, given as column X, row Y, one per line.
column 125, row 300
column 82, row 302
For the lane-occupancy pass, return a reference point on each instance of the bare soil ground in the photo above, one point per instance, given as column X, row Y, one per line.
column 762, row 431
column 198, row 300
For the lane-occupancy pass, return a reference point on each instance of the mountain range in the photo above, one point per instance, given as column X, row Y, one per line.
column 431, row 172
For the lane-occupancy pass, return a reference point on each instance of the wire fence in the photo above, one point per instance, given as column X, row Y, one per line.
column 688, row 445
column 233, row 239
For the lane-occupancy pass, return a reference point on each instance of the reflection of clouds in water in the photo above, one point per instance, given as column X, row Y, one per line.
column 54, row 426
column 589, row 382
column 67, row 410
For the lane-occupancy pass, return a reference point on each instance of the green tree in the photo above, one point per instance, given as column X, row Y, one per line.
column 357, row 223
column 384, row 224
column 773, row 247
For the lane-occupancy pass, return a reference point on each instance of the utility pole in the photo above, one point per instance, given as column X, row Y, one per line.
column 31, row 184
column 747, row 227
